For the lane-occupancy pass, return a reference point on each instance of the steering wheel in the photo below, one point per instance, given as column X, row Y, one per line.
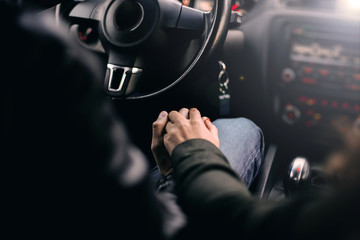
column 151, row 45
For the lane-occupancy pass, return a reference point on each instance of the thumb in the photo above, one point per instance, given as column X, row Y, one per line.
column 158, row 126
column 211, row 127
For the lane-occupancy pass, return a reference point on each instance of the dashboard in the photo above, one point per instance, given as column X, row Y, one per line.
column 317, row 80
column 306, row 57
column 307, row 61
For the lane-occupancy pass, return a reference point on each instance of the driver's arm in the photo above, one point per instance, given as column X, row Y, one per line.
column 219, row 205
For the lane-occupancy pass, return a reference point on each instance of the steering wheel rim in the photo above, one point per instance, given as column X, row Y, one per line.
column 216, row 24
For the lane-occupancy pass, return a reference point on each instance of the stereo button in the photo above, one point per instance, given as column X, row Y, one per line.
column 357, row 77
column 288, row 75
column 291, row 114
column 324, row 72
column 308, row 70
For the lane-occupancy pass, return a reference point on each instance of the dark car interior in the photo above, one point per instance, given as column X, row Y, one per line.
column 291, row 66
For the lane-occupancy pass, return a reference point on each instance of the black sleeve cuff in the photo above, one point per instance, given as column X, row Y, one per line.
column 166, row 184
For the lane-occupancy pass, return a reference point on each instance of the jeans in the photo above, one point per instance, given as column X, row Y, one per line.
column 242, row 142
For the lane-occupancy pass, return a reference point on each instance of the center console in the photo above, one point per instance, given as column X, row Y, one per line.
column 315, row 69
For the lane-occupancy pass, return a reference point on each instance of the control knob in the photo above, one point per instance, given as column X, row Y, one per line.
column 291, row 114
column 288, row 75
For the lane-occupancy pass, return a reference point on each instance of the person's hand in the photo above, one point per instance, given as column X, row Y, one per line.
column 161, row 155
column 188, row 124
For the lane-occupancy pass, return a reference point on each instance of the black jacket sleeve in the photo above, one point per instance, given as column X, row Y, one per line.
column 219, row 206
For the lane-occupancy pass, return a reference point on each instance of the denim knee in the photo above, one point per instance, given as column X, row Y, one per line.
column 242, row 142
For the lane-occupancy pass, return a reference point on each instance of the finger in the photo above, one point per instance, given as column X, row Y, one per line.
column 211, row 127
column 206, row 119
column 184, row 112
column 159, row 125
column 169, row 126
column 175, row 117
column 194, row 114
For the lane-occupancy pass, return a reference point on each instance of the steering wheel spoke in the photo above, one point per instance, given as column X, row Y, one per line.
column 86, row 11
column 121, row 81
column 191, row 20
column 122, row 74
column 177, row 17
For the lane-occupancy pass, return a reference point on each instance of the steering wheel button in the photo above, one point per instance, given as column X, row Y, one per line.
column 87, row 35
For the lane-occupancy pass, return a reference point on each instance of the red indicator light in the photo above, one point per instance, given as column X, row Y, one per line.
column 311, row 101
column 234, row 7
column 302, row 99
column 324, row 102
column 308, row 70
column 357, row 77
column 317, row 117
column 307, row 80
column 334, row 104
column 81, row 37
column 357, row 107
column 310, row 112
column 353, row 87
column 291, row 115
column 298, row 169
column 345, row 105
column 86, row 35
column 186, row 2
column 324, row 72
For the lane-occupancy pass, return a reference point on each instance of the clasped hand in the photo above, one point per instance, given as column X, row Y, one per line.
column 176, row 127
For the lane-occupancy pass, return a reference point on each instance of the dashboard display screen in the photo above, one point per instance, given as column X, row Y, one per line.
column 308, row 45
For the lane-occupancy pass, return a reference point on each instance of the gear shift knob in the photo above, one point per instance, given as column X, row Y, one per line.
column 297, row 177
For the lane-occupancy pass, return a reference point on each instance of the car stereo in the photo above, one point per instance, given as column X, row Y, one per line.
column 325, row 60
column 318, row 79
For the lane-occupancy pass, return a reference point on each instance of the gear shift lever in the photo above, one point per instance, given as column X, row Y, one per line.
column 297, row 177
